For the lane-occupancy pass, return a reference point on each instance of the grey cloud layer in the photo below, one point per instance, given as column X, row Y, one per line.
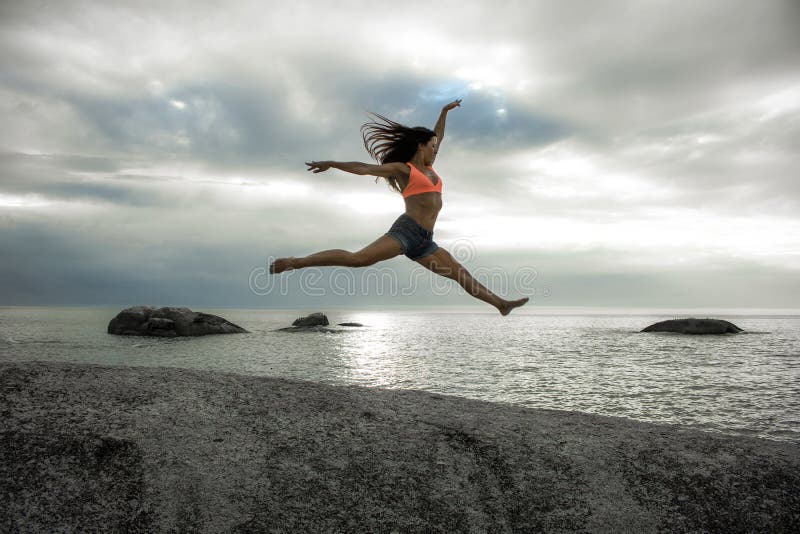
column 157, row 109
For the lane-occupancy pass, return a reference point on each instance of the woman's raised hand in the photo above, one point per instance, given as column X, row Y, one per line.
column 451, row 105
column 319, row 166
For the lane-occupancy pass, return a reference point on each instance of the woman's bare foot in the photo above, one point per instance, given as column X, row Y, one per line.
column 281, row 264
column 511, row 304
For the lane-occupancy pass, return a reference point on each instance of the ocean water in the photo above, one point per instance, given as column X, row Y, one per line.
column 593, row 361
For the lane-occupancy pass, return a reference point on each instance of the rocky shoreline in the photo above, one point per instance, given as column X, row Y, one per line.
column 90, row 447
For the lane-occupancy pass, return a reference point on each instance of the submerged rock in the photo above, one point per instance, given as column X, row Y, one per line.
column 326, row 329
column 350, row 324
column 694, row 326
column 169, row 322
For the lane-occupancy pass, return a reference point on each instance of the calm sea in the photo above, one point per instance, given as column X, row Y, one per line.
column 590, row 361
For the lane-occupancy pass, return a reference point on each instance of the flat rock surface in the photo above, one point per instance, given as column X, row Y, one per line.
column 95, row 448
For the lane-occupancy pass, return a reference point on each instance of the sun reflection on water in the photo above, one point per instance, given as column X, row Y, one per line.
column 369, row 355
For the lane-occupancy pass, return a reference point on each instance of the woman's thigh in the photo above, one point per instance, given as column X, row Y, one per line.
column 442, row 263
column 383, row 248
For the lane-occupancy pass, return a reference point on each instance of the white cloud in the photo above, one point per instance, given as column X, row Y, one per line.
column 23, row 201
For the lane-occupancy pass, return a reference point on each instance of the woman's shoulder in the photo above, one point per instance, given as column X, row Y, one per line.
column 400, row 170
column 394, row 168
column 411, row 167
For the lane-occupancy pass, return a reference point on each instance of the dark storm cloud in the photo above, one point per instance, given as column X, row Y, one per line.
column 219, row 123
column 62, row 267
column 79, row 179
column 239, row 126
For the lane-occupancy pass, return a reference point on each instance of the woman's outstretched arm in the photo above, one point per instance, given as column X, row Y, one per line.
column 439, row 128
column 356, row 167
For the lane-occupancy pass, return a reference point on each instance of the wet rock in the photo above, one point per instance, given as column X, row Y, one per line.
column 694, row 326
column 316, row 322
column 315, row 319
column 169, row 322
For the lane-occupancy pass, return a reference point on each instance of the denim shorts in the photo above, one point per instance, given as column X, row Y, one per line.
column 416, row 241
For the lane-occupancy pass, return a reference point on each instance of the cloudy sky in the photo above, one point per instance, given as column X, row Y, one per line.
column 614, row 153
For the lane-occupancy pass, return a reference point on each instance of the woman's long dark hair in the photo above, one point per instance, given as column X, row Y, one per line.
column 388, row 142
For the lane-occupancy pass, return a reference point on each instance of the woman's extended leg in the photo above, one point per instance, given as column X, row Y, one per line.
column 384, row 248
column 443, row 263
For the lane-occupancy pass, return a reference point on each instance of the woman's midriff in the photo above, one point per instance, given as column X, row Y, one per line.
column 424, row 208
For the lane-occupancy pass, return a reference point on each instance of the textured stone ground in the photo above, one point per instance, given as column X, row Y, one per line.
column 89, row 448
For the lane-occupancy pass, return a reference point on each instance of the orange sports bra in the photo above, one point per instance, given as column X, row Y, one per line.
column 419, row 183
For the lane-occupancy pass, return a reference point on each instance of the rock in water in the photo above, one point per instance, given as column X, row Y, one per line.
column 316, row 322
column 694, row 326
column 169, row 322
column 315, row 319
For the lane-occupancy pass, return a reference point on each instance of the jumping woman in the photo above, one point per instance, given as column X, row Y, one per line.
column 406, row 156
